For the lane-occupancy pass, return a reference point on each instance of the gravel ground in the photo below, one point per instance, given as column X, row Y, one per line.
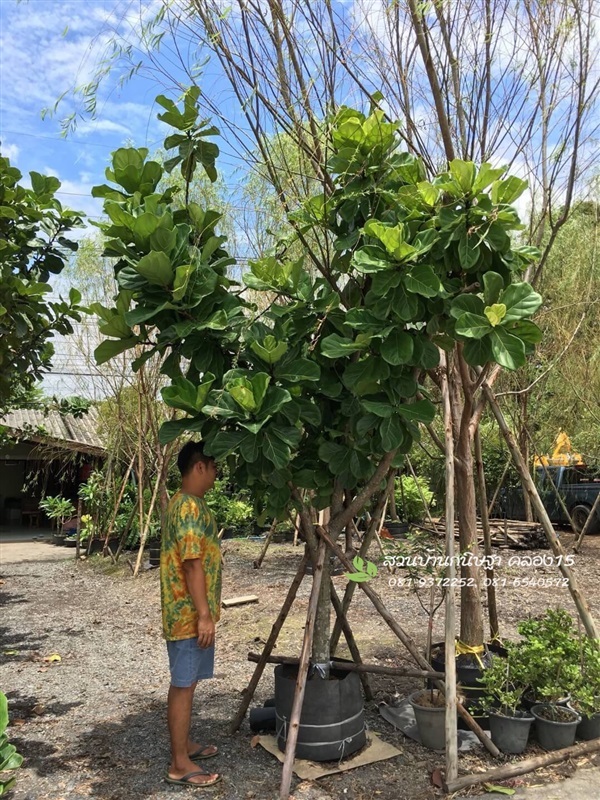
column 93, row 723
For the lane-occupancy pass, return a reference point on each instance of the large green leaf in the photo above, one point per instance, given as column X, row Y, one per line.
column 185, row 395
column 336, row 346
column 508, row 190
column 478, row 352
column 172, row 429
column 111, row 348
column 224, row 443
column 371, row 259
column 526, row 330
column 493, row 285
column 520, row 300
column 275, row 399
column 473, row 326
column 392, row 433
column 363, row 377
column 468, row 250
column 301, row 369
column 275, row 450
column 507, row 350
column 397, row 348
column 463, row 173
column 392, row 238
column 420, row 411
column 270, row 350
column 156, row 268
column 466, row 303
column 3, row 713
column 423, row 280
column 377, row 407
column 336, row 456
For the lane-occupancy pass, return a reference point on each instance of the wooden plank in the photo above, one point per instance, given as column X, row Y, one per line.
column 242, row 600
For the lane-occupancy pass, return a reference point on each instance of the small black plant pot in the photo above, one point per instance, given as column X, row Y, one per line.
column 554, row 734
column 69, row 542
column 510, row 734
column 589, row 727
column 431, row 720
column 58, row 538
column 154, row 556
column 332, row 724
column 262, row 719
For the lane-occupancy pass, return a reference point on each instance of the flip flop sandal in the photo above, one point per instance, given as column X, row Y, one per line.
column 201, row 753
column 185, row 780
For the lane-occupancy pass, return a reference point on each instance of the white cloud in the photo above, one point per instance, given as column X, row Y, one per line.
column 10, row 151
column 100, row 126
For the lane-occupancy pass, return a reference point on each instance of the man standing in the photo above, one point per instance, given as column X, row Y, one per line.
column 190, row 581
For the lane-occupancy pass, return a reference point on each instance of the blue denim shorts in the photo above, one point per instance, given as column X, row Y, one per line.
column 189, row 662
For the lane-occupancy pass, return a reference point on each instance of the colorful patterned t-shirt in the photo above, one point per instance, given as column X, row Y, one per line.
column 190, row 532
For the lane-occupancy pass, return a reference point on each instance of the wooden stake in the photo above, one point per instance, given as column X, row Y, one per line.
column 78, row 539
column 487, row 540
column 497, row 490
column 257, row 563
column 271, row 641
column 588, row 524
column 408, row 642
column 351, row 641
column 450, row 622
column 541, row 513
column 346, row 666
column 309, row 630
column 118, row 503
column 522, row 767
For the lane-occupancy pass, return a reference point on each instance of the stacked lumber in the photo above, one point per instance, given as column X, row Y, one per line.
column 506, row 533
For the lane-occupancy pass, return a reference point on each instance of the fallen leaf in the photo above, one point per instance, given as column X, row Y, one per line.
column 489, row 787
column 437, row 779
column 52, row 658
column 18, row 722
column 10, row 653
column 255, row 740
column 38, row 709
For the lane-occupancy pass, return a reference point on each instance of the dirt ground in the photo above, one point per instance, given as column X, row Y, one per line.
column 92, row 724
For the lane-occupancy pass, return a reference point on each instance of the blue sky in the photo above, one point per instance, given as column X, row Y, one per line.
column 48, row 46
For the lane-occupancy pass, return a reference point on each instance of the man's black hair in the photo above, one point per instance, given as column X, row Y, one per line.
column 189, row 455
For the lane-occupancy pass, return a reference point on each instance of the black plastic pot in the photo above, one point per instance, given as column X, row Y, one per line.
column 431, row 721
column 332, row 724
column 481, row 717
column 510, row 734
column 58, row 538
column 468, row 669
column 528, row 701
column 555, row 735
column 396, row 529
column 154, row 555
column 589, row 727
column 262, row 719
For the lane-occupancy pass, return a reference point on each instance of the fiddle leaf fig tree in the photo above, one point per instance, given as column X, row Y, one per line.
column 316, row 399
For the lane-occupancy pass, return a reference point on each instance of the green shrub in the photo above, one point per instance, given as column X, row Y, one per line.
column 10, row 760
column 230, row 510
column 409, row 495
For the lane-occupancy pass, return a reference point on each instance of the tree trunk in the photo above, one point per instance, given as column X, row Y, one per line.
column 320, row 647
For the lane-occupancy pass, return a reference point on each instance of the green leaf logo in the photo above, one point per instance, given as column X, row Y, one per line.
column 365, row 570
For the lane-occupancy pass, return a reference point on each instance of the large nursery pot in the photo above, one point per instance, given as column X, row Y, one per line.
column 510, row 733
column 332, row 724
column 468, row 668
column 528, row 701
column 555, row 725
column 589, row 727
column 430, row 717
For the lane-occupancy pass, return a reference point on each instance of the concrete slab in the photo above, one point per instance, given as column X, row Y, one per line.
column 583, row 785
column 17, row 552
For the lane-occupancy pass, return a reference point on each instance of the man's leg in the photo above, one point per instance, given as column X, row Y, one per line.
column 179, row 715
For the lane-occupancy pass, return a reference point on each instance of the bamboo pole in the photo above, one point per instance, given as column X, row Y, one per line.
column 498, row 487
column 487, row 540
column 119, row 498
column 257, row 563
column 144, row 535
column 588, row 524
column 270, row 644
column 450, row 600
column 78, row 539
column 351, row 641
column 375, row 524
column 542, row 515
column 309, row 630
column 408, row 642
column 346, row 666
column 522, row 767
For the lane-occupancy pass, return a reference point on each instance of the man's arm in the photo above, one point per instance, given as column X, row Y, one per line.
column 196, row 583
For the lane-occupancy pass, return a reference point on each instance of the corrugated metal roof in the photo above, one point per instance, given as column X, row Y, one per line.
column 74, row 433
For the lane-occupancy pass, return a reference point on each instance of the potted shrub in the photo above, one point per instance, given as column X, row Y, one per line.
column 585, row 697
column 555, row 725
column 58, row 509
column 548, row 657
column 429, row 706
column 509, row 722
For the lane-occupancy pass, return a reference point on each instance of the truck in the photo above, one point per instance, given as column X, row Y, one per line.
column 578, row 486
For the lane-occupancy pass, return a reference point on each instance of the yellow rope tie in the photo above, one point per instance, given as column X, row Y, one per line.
column 463, row 649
